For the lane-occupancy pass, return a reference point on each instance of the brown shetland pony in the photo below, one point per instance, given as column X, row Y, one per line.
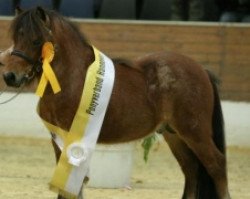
column 160, row 91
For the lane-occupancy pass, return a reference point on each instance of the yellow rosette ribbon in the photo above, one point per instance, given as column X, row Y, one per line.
column 48, row 73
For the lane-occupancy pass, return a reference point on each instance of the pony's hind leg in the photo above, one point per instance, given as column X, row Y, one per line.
column 197, row 119
column 199, row 140
column 215, row 163
column 187, row 161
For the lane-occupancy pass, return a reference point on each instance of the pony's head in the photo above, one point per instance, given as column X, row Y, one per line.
column 29, row 30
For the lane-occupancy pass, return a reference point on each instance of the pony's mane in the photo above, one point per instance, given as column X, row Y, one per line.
column 30, row 22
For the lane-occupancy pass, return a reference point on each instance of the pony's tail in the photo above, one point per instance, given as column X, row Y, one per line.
column 218, row 121
column 206, row 188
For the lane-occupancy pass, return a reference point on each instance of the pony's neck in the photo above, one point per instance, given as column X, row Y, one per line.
column 72, row 59
column 70, row 65
column 73, row 53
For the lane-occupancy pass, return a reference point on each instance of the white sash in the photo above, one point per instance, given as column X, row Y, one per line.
column 81, row 140
column 80, row 153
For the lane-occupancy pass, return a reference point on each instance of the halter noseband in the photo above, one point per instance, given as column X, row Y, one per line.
column 36, row 65
column 23, row 56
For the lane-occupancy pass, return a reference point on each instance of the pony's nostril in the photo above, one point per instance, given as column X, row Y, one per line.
column 9, row 78
column 1, row 64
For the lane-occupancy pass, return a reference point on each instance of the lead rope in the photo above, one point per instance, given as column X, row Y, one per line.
column 12, row 97
column 1, row 92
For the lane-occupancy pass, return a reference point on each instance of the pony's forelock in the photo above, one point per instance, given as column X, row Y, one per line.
column 32, row 25
column 29, row 24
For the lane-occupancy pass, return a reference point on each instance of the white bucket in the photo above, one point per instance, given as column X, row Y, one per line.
column 111, row 166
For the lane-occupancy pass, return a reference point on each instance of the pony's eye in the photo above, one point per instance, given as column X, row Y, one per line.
column 37, row 42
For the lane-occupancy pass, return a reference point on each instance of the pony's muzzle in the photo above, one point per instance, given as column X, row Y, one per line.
column 12, row 80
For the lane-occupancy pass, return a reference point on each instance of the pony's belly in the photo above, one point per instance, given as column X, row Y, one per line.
column 127, row 127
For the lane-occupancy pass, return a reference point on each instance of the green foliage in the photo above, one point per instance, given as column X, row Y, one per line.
column 147, row 145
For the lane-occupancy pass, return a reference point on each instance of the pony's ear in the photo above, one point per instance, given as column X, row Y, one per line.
column 42, row 15
column 18, row 11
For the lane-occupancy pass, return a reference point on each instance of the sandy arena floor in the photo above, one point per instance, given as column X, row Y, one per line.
column 27, row 164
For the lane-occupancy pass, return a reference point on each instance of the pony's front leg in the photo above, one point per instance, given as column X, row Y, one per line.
column 58, row 152
column 79, row 197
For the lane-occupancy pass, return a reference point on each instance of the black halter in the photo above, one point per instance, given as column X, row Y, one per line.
column 36, row 65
